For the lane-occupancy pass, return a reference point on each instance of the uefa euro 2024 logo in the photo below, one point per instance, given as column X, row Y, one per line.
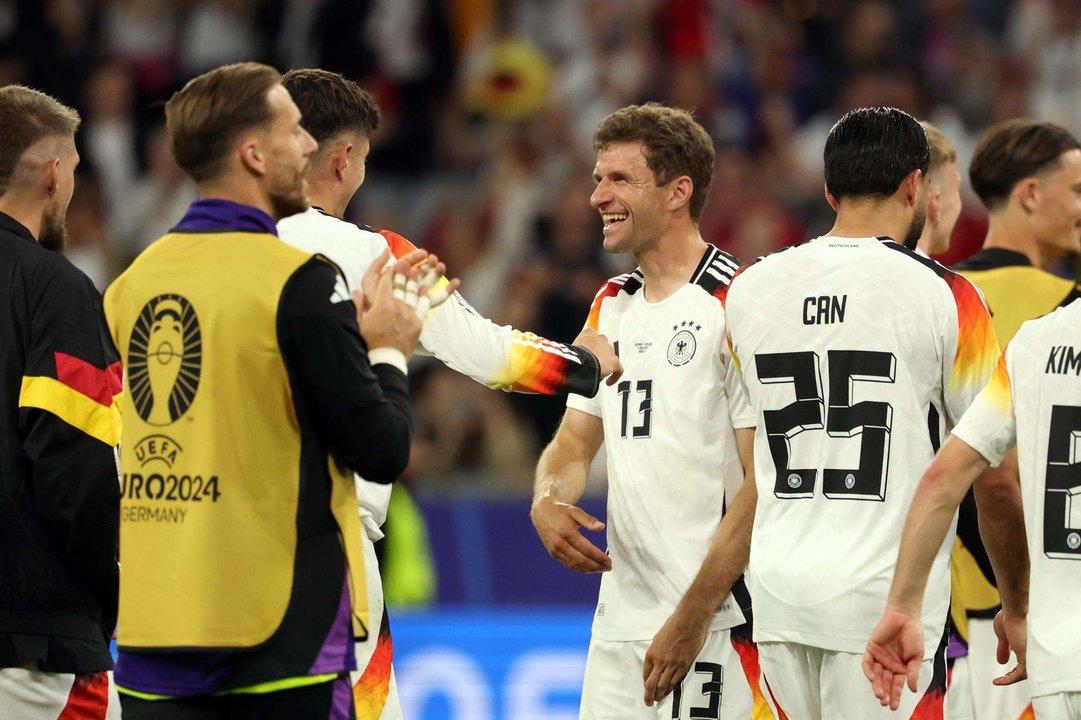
column 165, row 356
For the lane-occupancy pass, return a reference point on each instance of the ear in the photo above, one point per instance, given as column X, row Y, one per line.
column 252, row 156
column 911, row 186
column 934, row 206
column 339, row 161
column 682, row 188
column 52, row 176
column 829, row 197
column 1027, row 194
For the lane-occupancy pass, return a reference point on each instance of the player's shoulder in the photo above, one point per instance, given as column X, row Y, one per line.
column 763, row 265
column 916, row 262
column 314, row 224
column 617, row 290
column 1062, row 323
column 715, row 271
column 626, row 284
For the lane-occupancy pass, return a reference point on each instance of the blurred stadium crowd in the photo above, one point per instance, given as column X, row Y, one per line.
column 484, row 155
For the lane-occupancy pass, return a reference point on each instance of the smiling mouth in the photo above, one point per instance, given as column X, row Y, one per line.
column 612, row 219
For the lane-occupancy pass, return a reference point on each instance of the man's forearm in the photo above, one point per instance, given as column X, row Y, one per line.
column 561, row 474
column 1002, row 527
column 939, row 493
column 726, row 559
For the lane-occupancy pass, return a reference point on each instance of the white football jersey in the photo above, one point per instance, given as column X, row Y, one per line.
column 1034, row 401
column 497, row 356
column 856, row 356
column 670, row 446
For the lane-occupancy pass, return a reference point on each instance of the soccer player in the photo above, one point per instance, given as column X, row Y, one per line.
column 671, row 450
column 1033, row 401
column 59, row 511
column 854, row 353
column 249, row 393
column 341, row 116
column 943, row 194
column 1028, row 176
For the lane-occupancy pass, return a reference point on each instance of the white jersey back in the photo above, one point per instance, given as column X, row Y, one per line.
column 856, row 355
column 669, row 442
column 1034, row 400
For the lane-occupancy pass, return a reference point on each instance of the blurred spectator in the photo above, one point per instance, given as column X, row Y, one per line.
column 1056, row 82
column 489, row 108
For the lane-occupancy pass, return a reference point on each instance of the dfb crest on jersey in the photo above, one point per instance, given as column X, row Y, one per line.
column 683, row 344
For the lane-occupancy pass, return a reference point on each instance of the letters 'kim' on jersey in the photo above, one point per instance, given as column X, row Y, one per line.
column 856, row 356
column 1034, row 401
column 670, row 445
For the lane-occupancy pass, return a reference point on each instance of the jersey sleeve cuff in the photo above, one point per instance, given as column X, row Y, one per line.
column 588, row 405
column 590, row 381
column 985, row 449
column 388, row 356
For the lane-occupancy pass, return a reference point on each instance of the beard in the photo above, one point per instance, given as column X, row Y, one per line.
column 915, row 230
column 53, row 234
column 287, row 196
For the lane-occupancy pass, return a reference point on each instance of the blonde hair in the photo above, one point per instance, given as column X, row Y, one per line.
column 29, row 116
column 942, row 150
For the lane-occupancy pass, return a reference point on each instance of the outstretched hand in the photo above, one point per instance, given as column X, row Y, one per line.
column 416, row 278
column 894, row 654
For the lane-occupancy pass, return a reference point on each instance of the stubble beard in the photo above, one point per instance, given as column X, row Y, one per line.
column 915, row 230
column 289, row 198
column 53, row 234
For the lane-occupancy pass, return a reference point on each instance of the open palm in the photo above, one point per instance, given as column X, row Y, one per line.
column 894, row 653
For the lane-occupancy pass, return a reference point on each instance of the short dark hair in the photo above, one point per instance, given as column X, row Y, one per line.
column 331, row 104
column 28, row 116
column 212, row 110
column 675, row 144
column 871, row 150
column 1013, row 150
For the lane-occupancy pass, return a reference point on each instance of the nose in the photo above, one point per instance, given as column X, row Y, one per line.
column 601, row 195
column 310, row 144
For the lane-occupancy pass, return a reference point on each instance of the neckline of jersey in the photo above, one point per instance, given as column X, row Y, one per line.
column 661, row 303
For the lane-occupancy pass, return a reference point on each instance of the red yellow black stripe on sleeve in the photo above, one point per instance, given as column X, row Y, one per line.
column 82, row 395
column 977, row 346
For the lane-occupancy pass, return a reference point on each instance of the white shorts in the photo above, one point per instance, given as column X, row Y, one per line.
column 1060, row 706
column 991, row 702
column 33, row 695
column 809, row 683
column 375, row 689
column 959, row 690
column 722, row 684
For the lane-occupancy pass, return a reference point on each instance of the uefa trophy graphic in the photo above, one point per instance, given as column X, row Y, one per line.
column 164, row 359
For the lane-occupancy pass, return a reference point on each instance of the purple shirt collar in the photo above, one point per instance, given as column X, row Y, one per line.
column 225, row 215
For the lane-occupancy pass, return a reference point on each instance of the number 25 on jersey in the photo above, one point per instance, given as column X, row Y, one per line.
column 843, row 419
